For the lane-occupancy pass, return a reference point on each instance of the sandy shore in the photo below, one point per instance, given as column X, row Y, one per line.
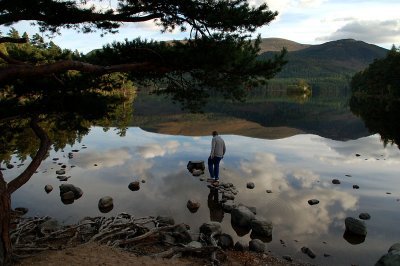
column 95, row 254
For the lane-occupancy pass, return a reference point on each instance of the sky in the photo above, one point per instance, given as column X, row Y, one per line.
column 303, row 21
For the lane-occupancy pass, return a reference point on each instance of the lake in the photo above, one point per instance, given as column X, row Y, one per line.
column 295, row 168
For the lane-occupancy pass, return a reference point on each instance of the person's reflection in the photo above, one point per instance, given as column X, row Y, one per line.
column 215, row 206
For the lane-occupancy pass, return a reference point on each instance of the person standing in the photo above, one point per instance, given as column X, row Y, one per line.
column 217, row 153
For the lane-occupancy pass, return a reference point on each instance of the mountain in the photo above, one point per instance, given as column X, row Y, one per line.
column 276, row 44
column 328, row 66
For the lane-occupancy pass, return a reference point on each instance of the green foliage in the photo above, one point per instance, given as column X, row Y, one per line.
column 381, row 78
column 198, row 16
column 224, row 64
column 376, row 96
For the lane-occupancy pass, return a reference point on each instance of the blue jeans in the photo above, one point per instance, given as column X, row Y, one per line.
column 213, row 167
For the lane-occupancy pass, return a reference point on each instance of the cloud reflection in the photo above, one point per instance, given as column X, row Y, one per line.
column 153, row 150
column 287, row 206
column 107, row 158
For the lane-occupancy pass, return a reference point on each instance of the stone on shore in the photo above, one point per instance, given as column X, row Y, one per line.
column 210, row 228
column 48, row 188
column 250, row 185
column 355, row 226
column 106, row 204
column 242, row 216
column 313, row 201
column 308, row 251
column 257, row 245
column 364, row 216
column 134, row 186
column 261, row 228
column 336, row 181
column 193, row 205
column 390, row 258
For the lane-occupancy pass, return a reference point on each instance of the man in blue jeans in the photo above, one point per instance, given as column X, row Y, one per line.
column 217, row 153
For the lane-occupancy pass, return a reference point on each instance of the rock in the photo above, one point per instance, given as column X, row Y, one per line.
column 240, row 246
column 63, row 166
column 287, row 257
column 242, row 216
column 134, row 186
column 68, row 197
column 181, row 234
column 358, row 155
column 48, row 188
column 394, row 247
column 193, row 205
column 197, row 172
column 195, row 244
column 308, row 251
column 261, row 228
column 390, row 258
column 228, row 206
column 143, row 181
column 49, row 226
column 250, row 185
column 313, row 201
column 165, row 220
column 60, row 172
column 251, row 208
column 228, row 196
column 210, row 228
column 257, row 245
column 335, row 181
column 364, row 216
column 269, row 191
column 64, row 188
column 225, row 241
column 356, row 187
column 21, row 210
column 195, row 165
column 106, row 204
column 355, row 226
column 9, row 166
column 63, row 177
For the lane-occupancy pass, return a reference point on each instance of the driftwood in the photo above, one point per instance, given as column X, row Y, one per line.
column 121, row 231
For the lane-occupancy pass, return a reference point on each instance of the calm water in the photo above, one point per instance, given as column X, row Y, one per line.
column 296, row 169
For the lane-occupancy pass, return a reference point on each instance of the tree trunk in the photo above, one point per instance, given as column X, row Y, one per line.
column 7, row 189
column 5, row 206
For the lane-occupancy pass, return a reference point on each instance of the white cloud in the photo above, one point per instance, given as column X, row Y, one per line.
column 370, row 31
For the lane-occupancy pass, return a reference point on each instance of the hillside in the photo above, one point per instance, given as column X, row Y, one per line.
column 276, row 44
column 326, row 66
column 330, row 58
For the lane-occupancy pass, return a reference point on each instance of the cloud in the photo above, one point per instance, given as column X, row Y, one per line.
column 387, row 31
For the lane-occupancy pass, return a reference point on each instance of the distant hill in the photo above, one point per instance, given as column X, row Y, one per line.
column 326, row 66
column 276, row 44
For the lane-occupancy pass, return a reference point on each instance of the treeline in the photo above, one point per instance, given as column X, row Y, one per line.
column 381, row 78
column 36, row 51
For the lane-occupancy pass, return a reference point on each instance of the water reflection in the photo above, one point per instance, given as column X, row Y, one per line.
column 295, row 169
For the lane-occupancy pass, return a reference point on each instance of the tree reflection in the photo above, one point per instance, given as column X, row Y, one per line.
column 28, row 131
column 380, row 115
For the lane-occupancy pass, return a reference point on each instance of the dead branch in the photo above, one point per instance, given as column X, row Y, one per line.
column 145, row 235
